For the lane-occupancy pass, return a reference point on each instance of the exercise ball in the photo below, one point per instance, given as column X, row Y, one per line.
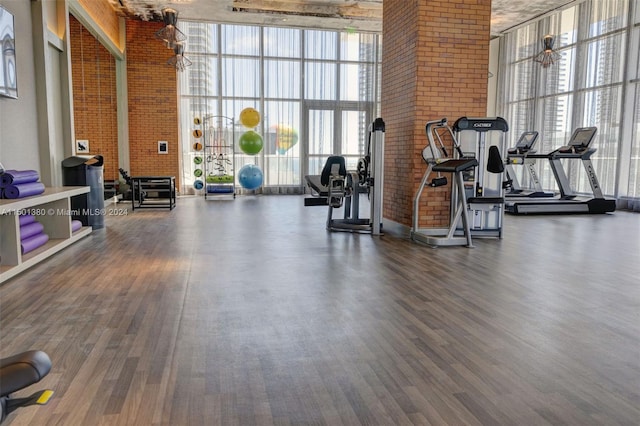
column 198, row 184
column 249, row 117
column 197, row 146
column 251, row 142
column 250, row 177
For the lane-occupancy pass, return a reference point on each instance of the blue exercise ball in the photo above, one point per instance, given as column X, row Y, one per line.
column 250, row 177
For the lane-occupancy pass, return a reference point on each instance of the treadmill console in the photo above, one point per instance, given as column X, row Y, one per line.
column 525, row 143
column 580, row 140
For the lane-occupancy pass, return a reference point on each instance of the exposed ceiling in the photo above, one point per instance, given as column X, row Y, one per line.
column 361, row 15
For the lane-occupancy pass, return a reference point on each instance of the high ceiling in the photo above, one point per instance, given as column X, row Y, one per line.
column 361, row 15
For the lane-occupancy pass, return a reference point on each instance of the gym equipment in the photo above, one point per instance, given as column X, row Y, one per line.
column 250, row 177
column 15, row 177
column 22, row 190
column 578, row 148
column 250, row 142
column 220, row 189
column 18, row 372
column 484, row 138
column 337, row 187
column 198, row 185
column 219, row 147
column 249, row 117
column 470, row 196
column 197, row 172
column 197, row 146
column 197, row 159
column 197, row 133
column 519, row 154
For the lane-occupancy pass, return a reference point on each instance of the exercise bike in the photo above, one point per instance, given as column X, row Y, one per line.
column 21, row 371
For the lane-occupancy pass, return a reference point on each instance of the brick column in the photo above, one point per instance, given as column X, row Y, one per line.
column 435, row 64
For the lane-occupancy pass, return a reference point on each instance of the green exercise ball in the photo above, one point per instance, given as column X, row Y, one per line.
column 251, row 142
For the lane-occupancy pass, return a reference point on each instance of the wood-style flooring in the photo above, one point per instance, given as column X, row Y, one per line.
column 249, row 312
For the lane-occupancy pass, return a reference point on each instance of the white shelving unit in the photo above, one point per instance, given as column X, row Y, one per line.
column 51, row 209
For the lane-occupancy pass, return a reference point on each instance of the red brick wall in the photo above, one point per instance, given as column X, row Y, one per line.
column 434, row 64
column 93, row 71
column 153, row 103
column 105, row 17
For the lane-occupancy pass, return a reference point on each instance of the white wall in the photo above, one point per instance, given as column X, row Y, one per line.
column 18, row 124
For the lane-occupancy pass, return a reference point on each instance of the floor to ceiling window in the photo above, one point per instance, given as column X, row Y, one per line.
column 316, row 91
column 588, row 86
column 631, row 179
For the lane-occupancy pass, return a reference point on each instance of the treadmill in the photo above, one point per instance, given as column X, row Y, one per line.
column 520, row 154
column 578, row 148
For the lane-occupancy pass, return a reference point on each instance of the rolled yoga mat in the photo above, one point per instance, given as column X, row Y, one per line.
column 26, row 219
column 75, row 225
column 14, row 177
column 33, row 243
column 30, row 230
column 23, row 190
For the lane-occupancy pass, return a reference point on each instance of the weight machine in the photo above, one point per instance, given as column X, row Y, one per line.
column 338, row 188
column 476, row 207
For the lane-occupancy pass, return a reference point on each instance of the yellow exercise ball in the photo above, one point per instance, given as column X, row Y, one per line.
column 249, row 117
column 197, row 146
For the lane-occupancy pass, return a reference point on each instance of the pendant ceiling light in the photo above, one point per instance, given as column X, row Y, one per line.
column 170, row 34
column 548, row 56
column 179, row 61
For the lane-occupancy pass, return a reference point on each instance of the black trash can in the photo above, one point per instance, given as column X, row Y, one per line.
column 86, row 171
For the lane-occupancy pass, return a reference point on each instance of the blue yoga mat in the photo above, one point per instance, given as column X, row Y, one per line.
column 34, row 242
column 31, row 229
column 23, row 190
column 14, row 177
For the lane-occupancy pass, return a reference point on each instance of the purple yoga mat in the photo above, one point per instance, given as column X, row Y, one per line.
column 75, row 225
column 34, row 242
column 14, row 177
column 23, row 190
column 26, row 219
column 30, row 230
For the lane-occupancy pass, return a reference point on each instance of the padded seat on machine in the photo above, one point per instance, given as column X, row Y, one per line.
column 316, row 185
column 22, row 370
column 455, row 166
column 319, row 184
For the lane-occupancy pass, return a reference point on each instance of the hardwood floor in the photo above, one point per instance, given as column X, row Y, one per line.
column 248, row 312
